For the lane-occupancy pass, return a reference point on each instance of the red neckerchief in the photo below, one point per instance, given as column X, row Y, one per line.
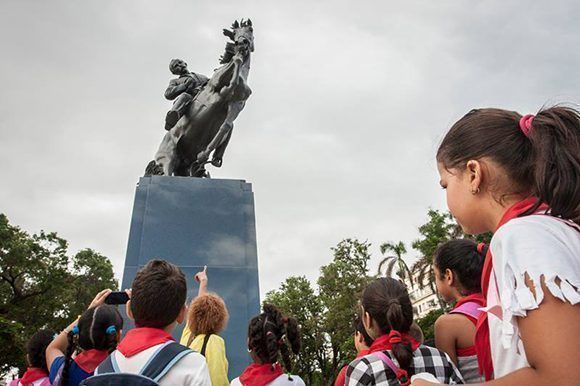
column 88, row 360
column 32, row 374
column 482, row 343
column 142, row 338
column 260, row 375
column 382, row 343
column 475, row 298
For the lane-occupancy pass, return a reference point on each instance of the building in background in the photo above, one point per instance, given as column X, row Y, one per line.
column 423, row 298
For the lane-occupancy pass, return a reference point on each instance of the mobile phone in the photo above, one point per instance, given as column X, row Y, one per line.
column 117, row 298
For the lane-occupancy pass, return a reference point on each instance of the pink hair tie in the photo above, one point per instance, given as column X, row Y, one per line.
column 526, row 124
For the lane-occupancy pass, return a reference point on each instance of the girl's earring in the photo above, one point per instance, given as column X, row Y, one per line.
column 249, row 349
column 475, row 191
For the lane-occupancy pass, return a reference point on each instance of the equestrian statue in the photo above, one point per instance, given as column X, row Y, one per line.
column 201, row 120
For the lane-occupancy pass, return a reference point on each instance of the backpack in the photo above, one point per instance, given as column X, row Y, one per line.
column 159, row 364
column 402, row 377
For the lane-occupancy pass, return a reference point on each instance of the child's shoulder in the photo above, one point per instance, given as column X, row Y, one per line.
column 450, row 322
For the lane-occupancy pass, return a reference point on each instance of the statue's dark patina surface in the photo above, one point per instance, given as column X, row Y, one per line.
column 200, row 123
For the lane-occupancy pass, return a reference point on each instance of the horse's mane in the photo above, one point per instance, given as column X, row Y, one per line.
column 228, row 54
column 230, row 46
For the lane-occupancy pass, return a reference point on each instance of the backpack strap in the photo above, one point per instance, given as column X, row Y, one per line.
column 163, row 360
column 109, row 365
column 470, row 309
column 401, row 374
column 204, row 346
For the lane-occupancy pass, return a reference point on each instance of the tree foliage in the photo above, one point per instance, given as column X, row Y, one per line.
column 41, row 287
column 388, row 264
column 325, row 314
column 297, row 298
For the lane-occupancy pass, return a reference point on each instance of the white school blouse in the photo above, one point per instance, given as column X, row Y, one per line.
column 537, row 245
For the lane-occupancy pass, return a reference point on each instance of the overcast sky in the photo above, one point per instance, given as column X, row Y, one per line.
column 350, row 100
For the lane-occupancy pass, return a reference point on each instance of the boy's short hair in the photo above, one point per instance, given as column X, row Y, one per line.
column 158, row 294
column 207, row 314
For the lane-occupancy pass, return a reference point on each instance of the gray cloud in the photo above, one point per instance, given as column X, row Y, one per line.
column 350, row 101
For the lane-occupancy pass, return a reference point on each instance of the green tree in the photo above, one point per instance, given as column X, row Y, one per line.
column 340, row 285
column 41, row 287
column 427, row 323
column 388, row 265
column 298, row 299
column 439, row 228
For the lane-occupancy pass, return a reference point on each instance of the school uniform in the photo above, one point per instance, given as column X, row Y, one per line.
column 32, row 377
column 381, row 368
column 470, row 307
column 81, row 367
column 214, row 353
column 533, row 245
column 141, row 344
column 266, row 375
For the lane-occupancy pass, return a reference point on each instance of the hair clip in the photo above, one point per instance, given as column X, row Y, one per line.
column 75, row 330
column 111, row 330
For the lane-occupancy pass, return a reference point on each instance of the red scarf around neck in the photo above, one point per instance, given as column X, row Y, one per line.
column 32, row 374
column 142, row 338
column 88, row 360
column 482, row 343
column 383, row 343
column 260, row 375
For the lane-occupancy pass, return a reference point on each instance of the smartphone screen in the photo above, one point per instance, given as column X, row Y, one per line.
column 117, row 298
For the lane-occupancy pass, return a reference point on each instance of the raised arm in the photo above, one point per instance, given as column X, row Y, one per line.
column 58, row 346
column 201, row 278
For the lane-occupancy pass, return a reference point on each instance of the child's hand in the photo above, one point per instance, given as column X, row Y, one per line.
column 100, row 298
column 201, row 277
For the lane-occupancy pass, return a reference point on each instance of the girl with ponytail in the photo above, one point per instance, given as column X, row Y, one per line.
column 519, row 177
column 395, row 356
column 271, row 336
column 92, row 337
column 457, row 266
column 37, row 373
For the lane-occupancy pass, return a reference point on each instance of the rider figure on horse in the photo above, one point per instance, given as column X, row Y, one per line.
column 182, row 90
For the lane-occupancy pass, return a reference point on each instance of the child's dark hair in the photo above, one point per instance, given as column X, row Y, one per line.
column 97, row 329
column 462, row 257
column 388, row 303
column 158, row 294
column 544, row 163
column 360, row 328
column 36, row 348
column 270, row 333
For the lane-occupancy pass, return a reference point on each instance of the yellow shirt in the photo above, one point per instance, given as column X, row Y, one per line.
column 215, row 355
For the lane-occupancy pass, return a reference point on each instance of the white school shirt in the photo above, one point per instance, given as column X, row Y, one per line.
column 537, row 245
column 191, row 370
column 282, row 380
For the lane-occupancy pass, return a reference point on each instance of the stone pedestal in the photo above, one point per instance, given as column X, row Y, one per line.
column 193, row 222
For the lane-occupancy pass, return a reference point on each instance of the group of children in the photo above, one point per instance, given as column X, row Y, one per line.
column 516, row 300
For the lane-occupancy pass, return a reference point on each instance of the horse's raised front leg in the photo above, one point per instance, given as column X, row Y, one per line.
column 222, row 137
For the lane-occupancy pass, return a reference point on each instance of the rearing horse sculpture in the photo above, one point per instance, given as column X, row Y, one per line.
column 207, row 126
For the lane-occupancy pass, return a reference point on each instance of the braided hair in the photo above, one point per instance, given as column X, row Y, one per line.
column 270, row 334
column 97, row 329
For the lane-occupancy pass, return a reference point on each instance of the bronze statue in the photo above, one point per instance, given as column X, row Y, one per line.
column 204, row 118
column 182, row 90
